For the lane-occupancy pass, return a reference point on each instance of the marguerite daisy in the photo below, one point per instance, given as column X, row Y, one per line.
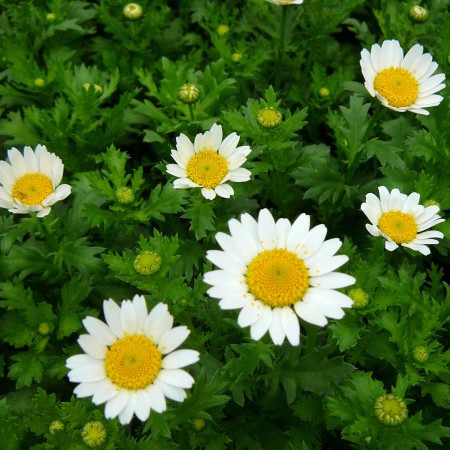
column 285, row 2
column 209, row 163
column 130, row 362
column 401, row 220
column 270, row 269
column 402, row 83
column 30, row 183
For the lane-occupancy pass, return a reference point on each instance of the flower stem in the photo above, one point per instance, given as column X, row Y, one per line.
column 280, row 46
column 191, row 112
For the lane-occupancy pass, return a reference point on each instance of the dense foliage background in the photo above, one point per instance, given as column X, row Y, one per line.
column 333, row 146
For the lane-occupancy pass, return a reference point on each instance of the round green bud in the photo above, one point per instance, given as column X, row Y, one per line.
column 39, row 82
column 420, row 354
column 390, row 409
column 56, row 425
column 45, row 328
column 50, row 17
column 199, row 424
column 236, row 57
column 431, row 202
column 132, row 11
column 188, row 93
column 324, row 92
column 125, row 195
column 94, row 434
column 147, row 263
column 367, row 440
column 269, row 117
column 418, row 14
column 222, row 30
column 359, row 297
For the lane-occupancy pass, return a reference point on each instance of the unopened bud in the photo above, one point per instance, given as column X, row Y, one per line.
column 359, row 297
column 199, row 424
column 39, row 82
column 94, row 434
column 420, row 354
column 222, row 30
column 236, row 57
column 125, row 195
column 147, row 263
column 324, row 92
column 390, row 409
column 56, row 425
column 188, row 93
column 132, row 11
column 269, row 117
column 418, row 14
column 50, row 17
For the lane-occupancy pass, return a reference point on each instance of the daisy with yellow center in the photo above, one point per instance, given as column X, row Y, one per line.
column 276, row 271
column 401, row 220
column 402, row 83
column 209, row 163
column 130, row 362
column 31, row 181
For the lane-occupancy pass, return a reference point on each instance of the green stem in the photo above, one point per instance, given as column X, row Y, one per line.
column 280, row 46
column 191, row 112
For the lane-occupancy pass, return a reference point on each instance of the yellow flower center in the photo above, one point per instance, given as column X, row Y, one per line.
column 400, row 227
column 133, row 362
column 277, row 277
column 207, row 168
column 397, row 86
column 32, row 189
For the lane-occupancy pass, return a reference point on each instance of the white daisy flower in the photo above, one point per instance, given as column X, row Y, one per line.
column 31, row 182
column 401, row 220
column 270, row 269
column 130, row 362
column 402, row 83
column 285, row 2
column 209, row 163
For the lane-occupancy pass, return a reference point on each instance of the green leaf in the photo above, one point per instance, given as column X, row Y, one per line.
column 28, row 367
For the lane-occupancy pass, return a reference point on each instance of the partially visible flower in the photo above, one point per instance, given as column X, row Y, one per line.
column 223, row 29
column 130, row 362
column 125, row 195
column 39, row 82
column 236, row 57
column 147, row 263
column 209, row 163
column 402, row 83
column 359, row 297
column 390, row 409
column 56, row 425
column 132, row 11
column 31, row 182
column 420, row 354
column 94, row 434
column 418, row 14
column 188, row 93
column 285, row 2
column 269, row 117
column 276, row 271
column 401, row 220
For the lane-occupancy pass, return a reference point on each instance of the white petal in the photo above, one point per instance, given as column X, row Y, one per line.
column 430, row 234
column 7, row 178
column 172, row 339
column 176, row 377
column 283, row 227
column 333, row 280
column 418, row 247
column 173, row 392
column 115, row 406
column 140, row 306
column 112, row 316
column 92, row 346
column 226, row 261
column 239, row 175
column 128, row 317
column 310, row 314
column 414, row 53
column 236, row 160
column 84, row 390
column 31, row 163
column 427, row 214
column 17, row 162
column 228, row 145
column 311, row 242
column 391, row 246
column 330, row 296
column 231, row 245
column 373, row 230
column 176, row 170
column 105, row 392
column 142, row 409
column 127, row 413
column 180, row 358
column 218, row 277
column 57, row 169
column 327, row 265
column 185, row 148
column 325, row 251
column 99, row 329
column 267, row 230
column 216, row 136
column 236, row 301
column 43, row 212
column 384, row 198
column 291, row 327
column 158, row 324
column 222, row 290
column 298, row 230
column 224, row 190
column 209, row 194
column 87, row 373
column 250, row 314
column 261, row 326
column 80, row 360
column 276, row 330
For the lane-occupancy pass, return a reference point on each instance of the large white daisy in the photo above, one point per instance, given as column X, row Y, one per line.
column 272, row 270
column 31, row 182
column 401, row 220
column 209, row 163
column 402, row 83
column 130, row 362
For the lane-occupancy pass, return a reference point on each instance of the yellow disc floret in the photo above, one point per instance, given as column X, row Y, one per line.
column 397, row 86
column 32, row 189
column 207, row 168
column 133, row 362
column 277, row 277
column 400, row 227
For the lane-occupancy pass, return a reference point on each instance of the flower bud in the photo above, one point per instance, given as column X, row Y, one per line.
column 50, row 17
column 269, row 117
column 390, row 409
column 39, row 82
column 431, row 202
column 45, row 328
column 188, row 93
column 359, row 297
column 132, row 11
column 56, row 425
column 420, row 354
column 324, row 92
column 236, row 57
column 94, row 434
column 199, row 424
column 147, row 263
column 222, row 30
column 125, row 195
column 418, row 14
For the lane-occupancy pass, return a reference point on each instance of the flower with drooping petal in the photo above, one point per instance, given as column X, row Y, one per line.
column 31, row 182
column 209, row 163
column 131, row 362
column 276, row 271
column 402, row 83
column 401, row 220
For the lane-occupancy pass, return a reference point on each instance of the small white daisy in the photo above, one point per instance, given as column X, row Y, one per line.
column 130, row 362
column 209, row 163
column 270, row 269
column 285, row 2
column 401, row 220
column 30, row 183
column 402, row 83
